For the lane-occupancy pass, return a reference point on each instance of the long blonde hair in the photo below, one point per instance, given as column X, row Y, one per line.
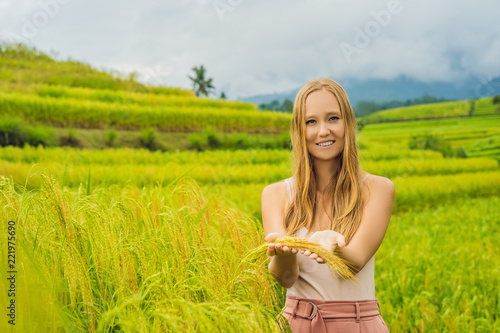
column 347, row 201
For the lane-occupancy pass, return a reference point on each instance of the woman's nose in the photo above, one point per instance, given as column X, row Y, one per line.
column 323, row 130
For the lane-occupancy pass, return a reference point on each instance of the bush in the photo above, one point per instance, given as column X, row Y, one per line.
column 111, row 137
column 460, row 152
column 197, row 141
column 213, row 138
column 12, row 132
column 284, row 141
column 472, row 107
column 148, row 139
column 210, row 139
column 428, row 141
column 40, row 136
column 70, row 139
column 360, row 124
column 237, row 141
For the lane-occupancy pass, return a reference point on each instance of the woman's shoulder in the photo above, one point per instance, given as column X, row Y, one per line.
column 279, row 185
column 273, row 204
column 276, row 190
column 377, row 183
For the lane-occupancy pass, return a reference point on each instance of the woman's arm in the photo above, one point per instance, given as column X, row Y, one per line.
column 283, row 266
column 377, row 211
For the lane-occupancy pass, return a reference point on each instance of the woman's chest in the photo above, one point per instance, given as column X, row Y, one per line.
column 322, row 219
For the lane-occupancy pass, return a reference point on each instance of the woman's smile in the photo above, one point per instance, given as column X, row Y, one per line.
column 325, row 144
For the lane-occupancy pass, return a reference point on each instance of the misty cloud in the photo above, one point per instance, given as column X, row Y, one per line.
column 254, row 48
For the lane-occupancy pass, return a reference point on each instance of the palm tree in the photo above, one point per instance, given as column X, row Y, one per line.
column 200, row 85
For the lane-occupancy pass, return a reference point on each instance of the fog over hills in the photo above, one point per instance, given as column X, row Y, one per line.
column 401, row 88
column 252, row 48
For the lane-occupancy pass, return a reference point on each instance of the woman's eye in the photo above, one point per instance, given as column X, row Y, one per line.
column 309, row 121
column 334, row 117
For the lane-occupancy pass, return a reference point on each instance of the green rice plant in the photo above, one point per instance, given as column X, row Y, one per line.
column 12, row 132
column 442, row 126
column 434, row 270
column 91, row 114
column 40, row 135
column 70, row 139
column 148, row 139
column 27, row 66
column 111, row 138
column 489, row 147
column 429, row 167
column 417, row 112
column 426, row 141
column 128, row 259
column 413, row 193
column 145, row 99
column 486, row 106
column 197, row 141
column 430, row 191
column 238, row 141
column 212, row 137
column 142, row 173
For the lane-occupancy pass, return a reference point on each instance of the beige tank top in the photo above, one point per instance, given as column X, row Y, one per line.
column 315, row 280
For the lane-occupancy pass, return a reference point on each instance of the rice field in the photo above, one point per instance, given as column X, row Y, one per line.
column 149, row 99
column 485, row 106
column 62, row 112
column 476, row 135
column 161, row 225
column 417, row 112
column 129, row 240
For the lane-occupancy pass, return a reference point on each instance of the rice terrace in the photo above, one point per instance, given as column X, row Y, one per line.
column 135, row 208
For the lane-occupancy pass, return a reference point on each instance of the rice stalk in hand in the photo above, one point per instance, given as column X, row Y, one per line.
column 334, row 261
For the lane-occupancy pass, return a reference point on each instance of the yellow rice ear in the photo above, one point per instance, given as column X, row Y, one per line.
column 334, row 261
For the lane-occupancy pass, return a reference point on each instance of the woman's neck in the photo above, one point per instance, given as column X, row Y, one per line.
column 325, row 171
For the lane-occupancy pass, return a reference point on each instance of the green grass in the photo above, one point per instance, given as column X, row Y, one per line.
column 469, row 133
column 128, row 98
column 485, row 106
column 93, row 114
column 22, row 66
column 172, row 259
column 129, row 240
column 418, row 112
column 130, row 259
column 435, row 270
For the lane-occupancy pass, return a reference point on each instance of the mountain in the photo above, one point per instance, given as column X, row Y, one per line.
column 401, row 88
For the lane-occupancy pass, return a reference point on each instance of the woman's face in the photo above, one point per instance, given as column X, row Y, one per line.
column 324, row 126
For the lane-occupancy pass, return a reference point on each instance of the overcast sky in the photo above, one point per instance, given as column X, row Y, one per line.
column 261, row 47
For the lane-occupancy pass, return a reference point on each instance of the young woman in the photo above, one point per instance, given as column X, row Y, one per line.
column 332, row 202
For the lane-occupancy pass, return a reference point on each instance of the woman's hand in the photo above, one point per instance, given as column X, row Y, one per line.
column 276, row 249
column 328, row 239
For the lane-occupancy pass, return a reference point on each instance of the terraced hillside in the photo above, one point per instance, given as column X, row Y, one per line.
column 125, row 239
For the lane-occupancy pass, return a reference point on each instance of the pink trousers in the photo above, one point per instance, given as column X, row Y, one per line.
column 319, row 316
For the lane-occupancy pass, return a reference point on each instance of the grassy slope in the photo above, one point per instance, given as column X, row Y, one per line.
column 44, row 91
column 427, row 280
